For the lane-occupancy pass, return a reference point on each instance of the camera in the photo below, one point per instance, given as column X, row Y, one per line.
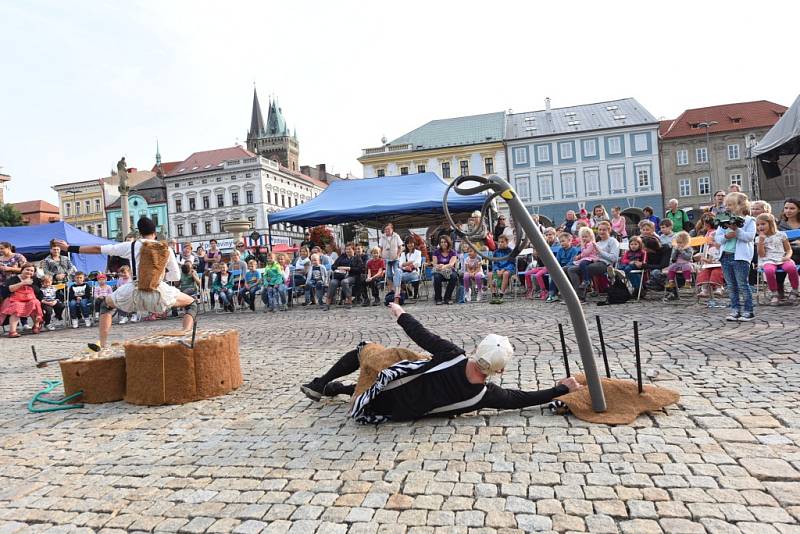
column 728, row 220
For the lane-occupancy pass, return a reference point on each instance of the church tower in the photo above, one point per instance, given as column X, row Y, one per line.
column 272, row 140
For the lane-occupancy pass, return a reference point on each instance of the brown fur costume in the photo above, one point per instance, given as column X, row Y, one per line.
column 374, row 358
column 153, row 257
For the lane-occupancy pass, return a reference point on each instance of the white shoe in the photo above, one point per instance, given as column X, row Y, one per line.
column 27, row 326
column 123, row 320
column 134, row 318
column 51, row 327
column 74, row 323
column 87, row 322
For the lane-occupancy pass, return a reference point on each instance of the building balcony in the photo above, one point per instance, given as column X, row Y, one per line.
column 386, row 149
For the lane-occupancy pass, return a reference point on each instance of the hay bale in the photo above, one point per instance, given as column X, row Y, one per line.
column 374, row 358
column 163, row 369
column 100, row 375
column 623, row 401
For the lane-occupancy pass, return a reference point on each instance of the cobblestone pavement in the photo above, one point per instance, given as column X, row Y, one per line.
column 265, row 458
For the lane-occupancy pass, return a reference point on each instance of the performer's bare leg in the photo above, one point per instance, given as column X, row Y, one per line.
column 183, row 301
column 106, row 315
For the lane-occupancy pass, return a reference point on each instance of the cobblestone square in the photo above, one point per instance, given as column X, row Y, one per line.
column 267, row 459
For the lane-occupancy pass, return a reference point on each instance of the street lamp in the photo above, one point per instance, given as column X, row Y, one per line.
column 73, row 192
column 707, row 125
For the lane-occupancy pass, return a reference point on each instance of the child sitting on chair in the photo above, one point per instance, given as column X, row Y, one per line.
column 222, row 287
column 540, row 271
column 472, row 273
column 709, row 278
column 80, row 298
column 376, row 269
column 680, row 261
column 587, row 255
column 252, row 283
column 634, row 259
column 502, row 270
column 774, row 252
column 565, row 256
column 50, row 303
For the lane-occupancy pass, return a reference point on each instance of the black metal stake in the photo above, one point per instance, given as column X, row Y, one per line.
column 638, row 356
column 564, row 348
column 603, row 345
column 194, row 330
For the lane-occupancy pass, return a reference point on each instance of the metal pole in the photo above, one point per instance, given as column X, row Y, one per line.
column 638, row 356
column 564, row 348
column 557, row 274
column 602, row 345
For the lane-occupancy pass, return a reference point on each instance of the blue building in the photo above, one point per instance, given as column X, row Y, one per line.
column 147, row 199
column 568, row 158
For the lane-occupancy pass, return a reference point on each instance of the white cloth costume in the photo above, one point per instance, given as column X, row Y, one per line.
column 128, row 298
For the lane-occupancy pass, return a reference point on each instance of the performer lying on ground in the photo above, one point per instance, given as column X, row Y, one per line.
column 131, row 298
column 450, row 383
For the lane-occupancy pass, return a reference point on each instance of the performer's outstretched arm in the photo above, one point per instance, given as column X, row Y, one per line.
column 441, row 349
column 85, row 249
column 511, row 399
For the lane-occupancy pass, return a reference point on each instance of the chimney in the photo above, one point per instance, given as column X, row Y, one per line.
column 322, row 172
column 547, row 104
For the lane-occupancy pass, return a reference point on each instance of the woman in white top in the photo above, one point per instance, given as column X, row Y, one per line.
column 408, row 271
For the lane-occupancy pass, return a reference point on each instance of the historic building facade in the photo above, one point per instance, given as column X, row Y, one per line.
column 448, row 147
column 147, row 199
column 212, row 187
column 273, row 140
column 3, row 179
column 568, row 158
column 705, row 150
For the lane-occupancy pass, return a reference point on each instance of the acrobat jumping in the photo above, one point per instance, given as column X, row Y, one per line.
column 449, row 383
column 153, row 264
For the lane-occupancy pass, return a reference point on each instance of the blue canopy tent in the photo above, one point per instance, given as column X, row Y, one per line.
column 36, row 239
column 408, row 200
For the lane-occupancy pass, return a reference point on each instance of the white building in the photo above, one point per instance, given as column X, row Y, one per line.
column 564, row 159
column 215, row 186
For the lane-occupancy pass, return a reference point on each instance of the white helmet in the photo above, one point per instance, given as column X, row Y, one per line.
column 493, row 354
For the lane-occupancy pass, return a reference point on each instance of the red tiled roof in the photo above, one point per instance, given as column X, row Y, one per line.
column 663, row 126
column 209, row 159
column 4, row 177
column 168, row 167
column 314, row 181
column 35, row 206
column 730, row 117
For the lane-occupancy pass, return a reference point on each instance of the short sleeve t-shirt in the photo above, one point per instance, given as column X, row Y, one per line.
column 773, row 246
column 375, row 265
column 316, row 273
column 16, row 260
column 443, row 259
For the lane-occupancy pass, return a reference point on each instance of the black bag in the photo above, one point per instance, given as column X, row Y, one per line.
column 617, row 292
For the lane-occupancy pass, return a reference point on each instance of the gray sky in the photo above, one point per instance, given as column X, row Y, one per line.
column 82, row 83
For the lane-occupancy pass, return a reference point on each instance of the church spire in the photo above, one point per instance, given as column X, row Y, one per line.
column 256, row 119
column 158, row 154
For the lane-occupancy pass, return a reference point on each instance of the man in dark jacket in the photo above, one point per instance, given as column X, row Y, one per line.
column 450, row 383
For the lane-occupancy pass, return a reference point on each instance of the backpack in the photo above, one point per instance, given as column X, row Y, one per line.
column 153, row 258
column 617, row 292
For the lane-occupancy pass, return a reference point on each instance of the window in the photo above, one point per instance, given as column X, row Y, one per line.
column 221, row 225
column 220, row 200
column 193, row 227
column 733, row 152
column 643, row 182
column 684, row 187
column 420, row 168
column 565, row 150
column 704, row 185
column 207, row 227
column 445, row 169
column 100, row 229
column 248, row 196
column 283, row 200
column 192, row 204
column 546, row 186
column 219, row 178
column 154, row 218
column 403, row 171
column 523, row 187
column 464, row 167
column 180, row 230
column 592, row 179
column 614, row 145
column 89, row 229
column 488, row 166
column 683, row 157
column 252, row 220
column 206, row 202
column 616, row 178
column 68, row 209
column 381, row 173
column 88, row 206
column 788, row 177
column 543, row 153
column 701, row 155
column 77, row 208
column 640, row 142
column 235, row 198
column 178, row 205
column 736, row 179
column 568, row 187
column 97, row 207
column 119, row 224
column 589, row 148
column 269, row 197
column 520, row 155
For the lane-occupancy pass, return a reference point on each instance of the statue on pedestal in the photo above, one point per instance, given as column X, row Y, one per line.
column 122, row 172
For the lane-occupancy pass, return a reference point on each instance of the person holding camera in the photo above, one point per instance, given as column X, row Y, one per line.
column 736, row 232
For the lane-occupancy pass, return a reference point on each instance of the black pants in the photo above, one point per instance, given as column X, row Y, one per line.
column 346, row 365
column 374, row 286
column 438, row 279
column 48, row 311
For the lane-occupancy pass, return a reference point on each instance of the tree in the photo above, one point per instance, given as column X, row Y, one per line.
column 321, row 236
column 10, row 216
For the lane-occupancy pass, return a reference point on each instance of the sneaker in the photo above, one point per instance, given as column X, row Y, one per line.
column 733, row 317
column 312, row 390
column 439, row 303
column 134, row 318
column 123, row 320
column 746, row 317
column 27, row 326
column 51, row 327
column 332, row 389
column 365, row 304
column 74, row 323
column 552, row 298
column 87, row 322
column 477, row 296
